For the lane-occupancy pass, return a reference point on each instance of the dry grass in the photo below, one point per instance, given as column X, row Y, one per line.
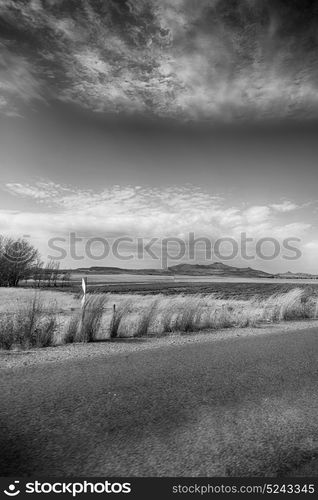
column 188, row 316
column 85, row 324
column 204, row 312
column 146, row 318
column 12, row 299
column 295, row 304
column 71, row 330
column 91, row 319
column 121, row 312
column 316, row 311
column 8, row 333
column 33, row 325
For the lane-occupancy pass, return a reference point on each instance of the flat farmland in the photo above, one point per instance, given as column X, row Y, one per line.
column 223, row 288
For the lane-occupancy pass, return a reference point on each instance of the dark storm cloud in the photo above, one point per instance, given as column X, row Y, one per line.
column 223, row 60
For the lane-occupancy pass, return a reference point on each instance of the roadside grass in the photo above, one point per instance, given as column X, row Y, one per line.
column 138, row 316
column 109, row 316
column 292, row 305
column 84, row 325
column 71, row 330
column 120, row 313
column 146, row 317
column 30, row 325
column 91, row 317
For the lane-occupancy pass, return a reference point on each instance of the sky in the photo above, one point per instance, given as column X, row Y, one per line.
column 160, row 119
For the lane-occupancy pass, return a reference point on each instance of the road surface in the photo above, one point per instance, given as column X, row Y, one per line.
column 234, row 407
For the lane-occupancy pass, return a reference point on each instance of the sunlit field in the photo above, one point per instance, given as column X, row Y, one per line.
column 43, row 318
column 222, row 287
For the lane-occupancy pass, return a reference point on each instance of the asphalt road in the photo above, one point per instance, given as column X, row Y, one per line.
column 234, row 407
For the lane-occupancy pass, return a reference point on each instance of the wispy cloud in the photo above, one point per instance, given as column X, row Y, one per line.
column 173, row 211
column 18, row 83
column 285, row 206
column 312, row 245
column 55, row 210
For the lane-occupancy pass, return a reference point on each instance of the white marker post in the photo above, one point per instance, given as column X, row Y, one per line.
column 84, row 288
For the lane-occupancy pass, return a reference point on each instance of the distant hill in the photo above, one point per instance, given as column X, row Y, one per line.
column 215, row 269
column 118, row 270
column 294, row 276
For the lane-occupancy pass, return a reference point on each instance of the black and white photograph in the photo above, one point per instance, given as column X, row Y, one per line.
column 158, row 248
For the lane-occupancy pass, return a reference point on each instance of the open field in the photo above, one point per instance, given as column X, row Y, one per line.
column 101, row 278
column 223, row 288
column 45, row 318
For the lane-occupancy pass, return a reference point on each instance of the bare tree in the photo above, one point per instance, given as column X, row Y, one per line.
column 17, row 260
column 66, row 278
column 55, row 273
column 51, row 272
column 38, row 273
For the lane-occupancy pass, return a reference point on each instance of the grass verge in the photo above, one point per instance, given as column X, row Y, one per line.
column 36, row 325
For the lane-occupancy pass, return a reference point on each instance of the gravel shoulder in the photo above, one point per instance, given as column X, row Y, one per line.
column 16, row 359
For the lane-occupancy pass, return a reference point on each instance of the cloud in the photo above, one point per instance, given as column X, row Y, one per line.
column 312, row 245
column 213, row 60
column 147, row 212
column 56, row 211
column 18, row 84
column 41, row 191
column 285, row 206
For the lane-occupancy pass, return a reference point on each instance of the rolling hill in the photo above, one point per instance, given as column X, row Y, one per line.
column 214, row 269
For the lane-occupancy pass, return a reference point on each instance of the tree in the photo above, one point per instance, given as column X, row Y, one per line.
column 55, row 274
column 51, row 272
column 37, row 274
column 18, row 259
column 66, row 278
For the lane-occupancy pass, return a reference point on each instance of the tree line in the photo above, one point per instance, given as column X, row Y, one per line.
column 20, row 261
